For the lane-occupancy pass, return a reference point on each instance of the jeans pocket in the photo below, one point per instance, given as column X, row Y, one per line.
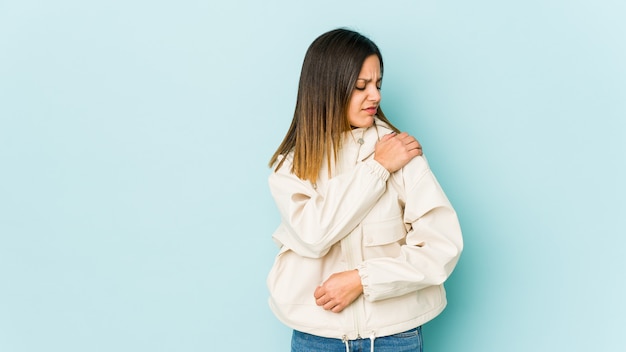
column 408, row 334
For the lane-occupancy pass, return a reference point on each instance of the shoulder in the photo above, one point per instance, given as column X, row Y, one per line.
column 283, row 163
column 415, row 170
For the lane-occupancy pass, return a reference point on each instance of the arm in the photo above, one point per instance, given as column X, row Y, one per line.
column 433, row 242
column 313, row 222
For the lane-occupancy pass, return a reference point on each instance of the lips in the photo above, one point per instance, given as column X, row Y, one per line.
column 371, row 110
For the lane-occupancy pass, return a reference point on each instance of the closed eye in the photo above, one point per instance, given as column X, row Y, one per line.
column 361, row 84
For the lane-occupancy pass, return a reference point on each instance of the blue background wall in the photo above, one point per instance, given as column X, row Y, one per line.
column 134, row 210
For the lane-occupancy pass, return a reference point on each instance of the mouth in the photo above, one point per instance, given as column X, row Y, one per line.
column 372, row 110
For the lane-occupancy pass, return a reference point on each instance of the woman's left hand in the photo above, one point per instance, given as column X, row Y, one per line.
column 341, row 289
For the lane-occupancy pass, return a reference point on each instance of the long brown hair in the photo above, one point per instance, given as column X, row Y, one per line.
column 330, row 70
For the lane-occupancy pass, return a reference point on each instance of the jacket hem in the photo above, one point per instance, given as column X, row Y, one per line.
column 339, row 332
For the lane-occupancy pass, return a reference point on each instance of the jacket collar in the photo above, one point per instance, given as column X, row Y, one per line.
column 371, row 136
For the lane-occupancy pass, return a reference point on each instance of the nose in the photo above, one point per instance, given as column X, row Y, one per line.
column 373, row 94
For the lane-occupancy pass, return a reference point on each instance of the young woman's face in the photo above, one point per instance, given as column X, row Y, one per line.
column 366, row 94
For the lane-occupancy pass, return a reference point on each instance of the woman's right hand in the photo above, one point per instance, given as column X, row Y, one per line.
column 394, row 150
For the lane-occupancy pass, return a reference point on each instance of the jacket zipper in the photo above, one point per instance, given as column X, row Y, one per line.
column 348, row 244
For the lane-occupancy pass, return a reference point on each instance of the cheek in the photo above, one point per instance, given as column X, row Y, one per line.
column 354, row 109
column 355, row 102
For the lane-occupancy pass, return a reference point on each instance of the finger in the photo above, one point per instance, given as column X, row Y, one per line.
column 388, row 136
column 330, row 305
column 337, row 309
column 403, row 135
column 414, row 152
column 410, row 140
column 319, row 292
column 413, row 145
column 407, row 139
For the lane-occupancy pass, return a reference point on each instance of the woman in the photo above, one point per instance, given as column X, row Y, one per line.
column 367, row 236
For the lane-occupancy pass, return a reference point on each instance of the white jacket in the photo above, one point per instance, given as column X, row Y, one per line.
column 398, row 230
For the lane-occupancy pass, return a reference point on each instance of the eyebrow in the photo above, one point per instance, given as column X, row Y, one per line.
column 369, row 80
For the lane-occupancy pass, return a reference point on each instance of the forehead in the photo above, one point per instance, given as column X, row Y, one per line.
column 370, row 68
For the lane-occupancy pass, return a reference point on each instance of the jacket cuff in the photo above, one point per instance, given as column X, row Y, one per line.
column 377, row 169
column 365, row 280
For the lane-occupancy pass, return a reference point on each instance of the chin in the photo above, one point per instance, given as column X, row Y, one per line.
column 368, row 122
column 364, row 122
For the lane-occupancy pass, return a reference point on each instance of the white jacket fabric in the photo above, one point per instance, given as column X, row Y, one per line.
column 399, row 230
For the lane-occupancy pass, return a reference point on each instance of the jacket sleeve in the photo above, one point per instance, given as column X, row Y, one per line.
column 313, row 221
column 433, row 242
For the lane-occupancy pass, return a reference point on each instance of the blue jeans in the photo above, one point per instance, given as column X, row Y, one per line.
column 408, row 341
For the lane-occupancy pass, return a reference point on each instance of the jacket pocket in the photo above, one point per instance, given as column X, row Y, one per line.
column 383, row 238
column 383, row 232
